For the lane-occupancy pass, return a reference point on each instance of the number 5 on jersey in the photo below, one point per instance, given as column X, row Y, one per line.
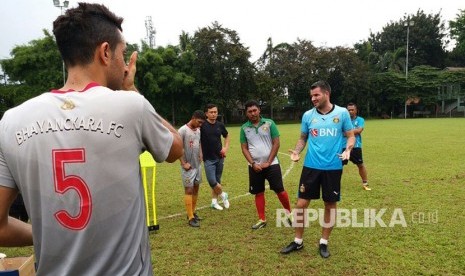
column 64, row 183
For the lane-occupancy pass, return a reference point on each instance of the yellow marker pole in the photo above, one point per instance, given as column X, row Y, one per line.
column 154, row 205
column 146, row 162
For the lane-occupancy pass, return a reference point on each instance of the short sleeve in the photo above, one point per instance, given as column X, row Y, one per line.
column 274, row 130
column 156, row 137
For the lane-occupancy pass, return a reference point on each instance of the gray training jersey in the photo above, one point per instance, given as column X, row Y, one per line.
column 75, row 158
column 191, row 143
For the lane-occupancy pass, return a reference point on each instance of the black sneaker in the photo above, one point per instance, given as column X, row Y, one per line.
column 293, row 246
column 197, row 217
column 259, row 224
column 324, row 252
column 194, row 223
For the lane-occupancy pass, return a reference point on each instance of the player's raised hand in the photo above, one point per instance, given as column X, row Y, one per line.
column 294, row 155
column 128, row 81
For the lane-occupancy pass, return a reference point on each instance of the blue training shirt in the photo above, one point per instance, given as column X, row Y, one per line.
column 357, row 122
column 325, row 137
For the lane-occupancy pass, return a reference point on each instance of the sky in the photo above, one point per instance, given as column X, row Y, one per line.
column 326, row 23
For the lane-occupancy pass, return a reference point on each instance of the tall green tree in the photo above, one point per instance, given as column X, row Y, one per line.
column 165, row 77
column 271, row 78
column 457, row 32
column 426, row 39
column 37, row 65
column 223, row 72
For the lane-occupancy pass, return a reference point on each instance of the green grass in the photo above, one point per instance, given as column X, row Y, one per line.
column 416, row 165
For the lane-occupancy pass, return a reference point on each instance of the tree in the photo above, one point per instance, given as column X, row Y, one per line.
column 270, row 77
column 426, row 39
column 37, row 65
column 165, row 76
column 457, row 32
column 223, row 72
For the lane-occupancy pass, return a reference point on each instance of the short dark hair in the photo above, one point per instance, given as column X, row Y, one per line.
column 80, row 30
column 352, row 104
column 209, row 106
column 251, row 103
column 323, row 85
column 198, row 114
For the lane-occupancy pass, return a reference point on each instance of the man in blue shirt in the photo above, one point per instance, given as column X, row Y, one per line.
column 324, row 128
column 356, row 156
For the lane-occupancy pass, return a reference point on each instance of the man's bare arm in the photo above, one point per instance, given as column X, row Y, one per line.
column 299, row 147
column 13, row 232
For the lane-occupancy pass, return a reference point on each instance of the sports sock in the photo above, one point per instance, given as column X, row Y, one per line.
column 214, row 201
column 194, row 202
column 298, row 241
column 323, row 241
column 284, row 199
column 260, row 204
column 188, row 203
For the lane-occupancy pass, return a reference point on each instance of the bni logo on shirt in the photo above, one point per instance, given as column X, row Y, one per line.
column 314, row 132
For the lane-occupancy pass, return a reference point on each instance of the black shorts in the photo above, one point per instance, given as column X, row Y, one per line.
column 311, row 180
column 355, row 156
column 272, row 174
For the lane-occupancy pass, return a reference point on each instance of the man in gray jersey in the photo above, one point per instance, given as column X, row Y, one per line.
column 191, row 170
column 75, row 158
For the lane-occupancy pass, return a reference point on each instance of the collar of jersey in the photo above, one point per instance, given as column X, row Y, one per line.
column 260, row 123
column 89, row 86
column 334, row 106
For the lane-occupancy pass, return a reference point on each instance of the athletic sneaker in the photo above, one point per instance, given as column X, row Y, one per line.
column 197, row 217
column 259, row 224
column 194, row 223
column 216, row 206
column 324, row 252
column 225, row 200
column 293, row 246
column 366, row 188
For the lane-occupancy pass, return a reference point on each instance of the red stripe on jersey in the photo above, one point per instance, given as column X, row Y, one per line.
column 89, row 86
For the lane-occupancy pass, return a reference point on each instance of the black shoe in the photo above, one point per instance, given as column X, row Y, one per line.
column 194, row 223
column 293, row 246
column 259, row 224
column 197, row 217
column 324, row 252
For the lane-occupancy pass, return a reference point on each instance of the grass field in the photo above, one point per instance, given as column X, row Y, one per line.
column 414, row 165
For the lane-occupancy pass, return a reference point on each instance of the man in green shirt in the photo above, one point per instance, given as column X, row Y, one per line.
column 259, row 139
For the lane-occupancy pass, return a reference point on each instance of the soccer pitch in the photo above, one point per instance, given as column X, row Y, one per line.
column 416, row 171
column 415, row 167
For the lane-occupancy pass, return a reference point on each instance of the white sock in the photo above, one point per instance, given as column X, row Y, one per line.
column 214, row 201
column 365, row 183
column 298, row 241
column 223, row 194
column 323, row 241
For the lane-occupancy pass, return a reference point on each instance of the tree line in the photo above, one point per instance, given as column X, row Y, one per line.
column 213, row 65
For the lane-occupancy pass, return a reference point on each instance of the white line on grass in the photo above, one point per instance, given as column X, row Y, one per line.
column 289, row 169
